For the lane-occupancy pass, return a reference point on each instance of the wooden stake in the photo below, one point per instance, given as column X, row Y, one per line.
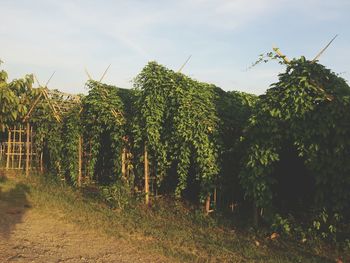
column 207, row 205
column 20, row 148
column 280, row 54
column 184, row 64
column 33, row 107
column 48, row 81
column 104, row 73
column 323, row 50
column 41, row 162
column 146, row 176
column 8, row 150
column 1, row 152
column 80, row 160
column 88, row 161
column 27, row 148
column 215, row 196
column 13, row 148
column 56, row 115
column 31, row 148
column 124, row 164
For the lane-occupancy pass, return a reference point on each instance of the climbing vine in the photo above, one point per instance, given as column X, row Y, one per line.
column 198, row 136
column 177, row 121
column 72, row 132
column 104, row 129
column 48, row 137
column 309, row 107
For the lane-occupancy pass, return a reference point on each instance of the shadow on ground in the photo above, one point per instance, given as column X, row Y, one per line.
column 13, row 206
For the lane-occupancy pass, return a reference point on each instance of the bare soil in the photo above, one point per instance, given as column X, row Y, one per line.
column 30, row 235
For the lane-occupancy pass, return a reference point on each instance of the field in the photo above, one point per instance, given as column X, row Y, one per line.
column 44, row 221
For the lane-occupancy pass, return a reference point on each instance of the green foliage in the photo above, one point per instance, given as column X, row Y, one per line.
column 200, row 137
column 72, row 131
column 48, row 136
column 308, row 106
column 320, row 227
column 326, row 226
column 15, row 99
column 234, row 110
column 177, row 120
column 269, row 56
column 117, row 195
column 104, row 128
column 281, row 225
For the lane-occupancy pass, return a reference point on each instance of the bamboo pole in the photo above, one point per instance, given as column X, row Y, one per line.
column 324, row 49
column 207, row 205
column 27, row 148
column 146, row 176
column 215, row 197
column 20, row 147
column 41, row 162
column 32, row 108
column 104, row 73
column 88, row 161
column 124, row 164
column 13, row 148
column 56, row 115
column 79, row 161
column 8, row 150
column 184, row 64
column 31, row 147
column 280, row 54
column 41, row 158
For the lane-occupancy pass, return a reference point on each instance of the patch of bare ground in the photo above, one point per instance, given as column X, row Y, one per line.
column 28, row 234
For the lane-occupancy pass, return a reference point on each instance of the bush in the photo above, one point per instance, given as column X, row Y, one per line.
column 117, row 195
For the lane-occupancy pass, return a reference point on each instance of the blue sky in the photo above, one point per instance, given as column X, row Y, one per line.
column 224, row 38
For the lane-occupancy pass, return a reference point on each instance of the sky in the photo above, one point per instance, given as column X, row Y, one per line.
column 223, row 37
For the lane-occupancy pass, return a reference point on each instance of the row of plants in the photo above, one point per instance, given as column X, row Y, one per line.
column 306, row 110
column 286, row 151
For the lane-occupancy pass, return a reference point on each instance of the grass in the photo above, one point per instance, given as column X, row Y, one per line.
column 167, row 227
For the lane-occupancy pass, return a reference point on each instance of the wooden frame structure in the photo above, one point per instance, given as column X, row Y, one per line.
column 59, row 102
column 17, row 151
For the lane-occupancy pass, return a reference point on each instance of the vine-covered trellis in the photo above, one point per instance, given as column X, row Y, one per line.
column 305, row 112
column 172, row 135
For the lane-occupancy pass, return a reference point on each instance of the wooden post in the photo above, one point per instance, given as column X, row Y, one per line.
column 13, row 148
column 124, row 164
column 31, row 147
column 207, row 205
column 27, row 148
column 80, row 160
column 146, row 176
column 20, row 148
column 88, row 161
column 8, row 150
column 41, row 162
column 41, row 158
column 215, row 197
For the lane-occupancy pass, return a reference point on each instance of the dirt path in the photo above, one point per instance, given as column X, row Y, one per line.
column 28, row 235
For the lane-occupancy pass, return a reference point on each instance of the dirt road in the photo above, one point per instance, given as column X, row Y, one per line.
column 30, row 235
